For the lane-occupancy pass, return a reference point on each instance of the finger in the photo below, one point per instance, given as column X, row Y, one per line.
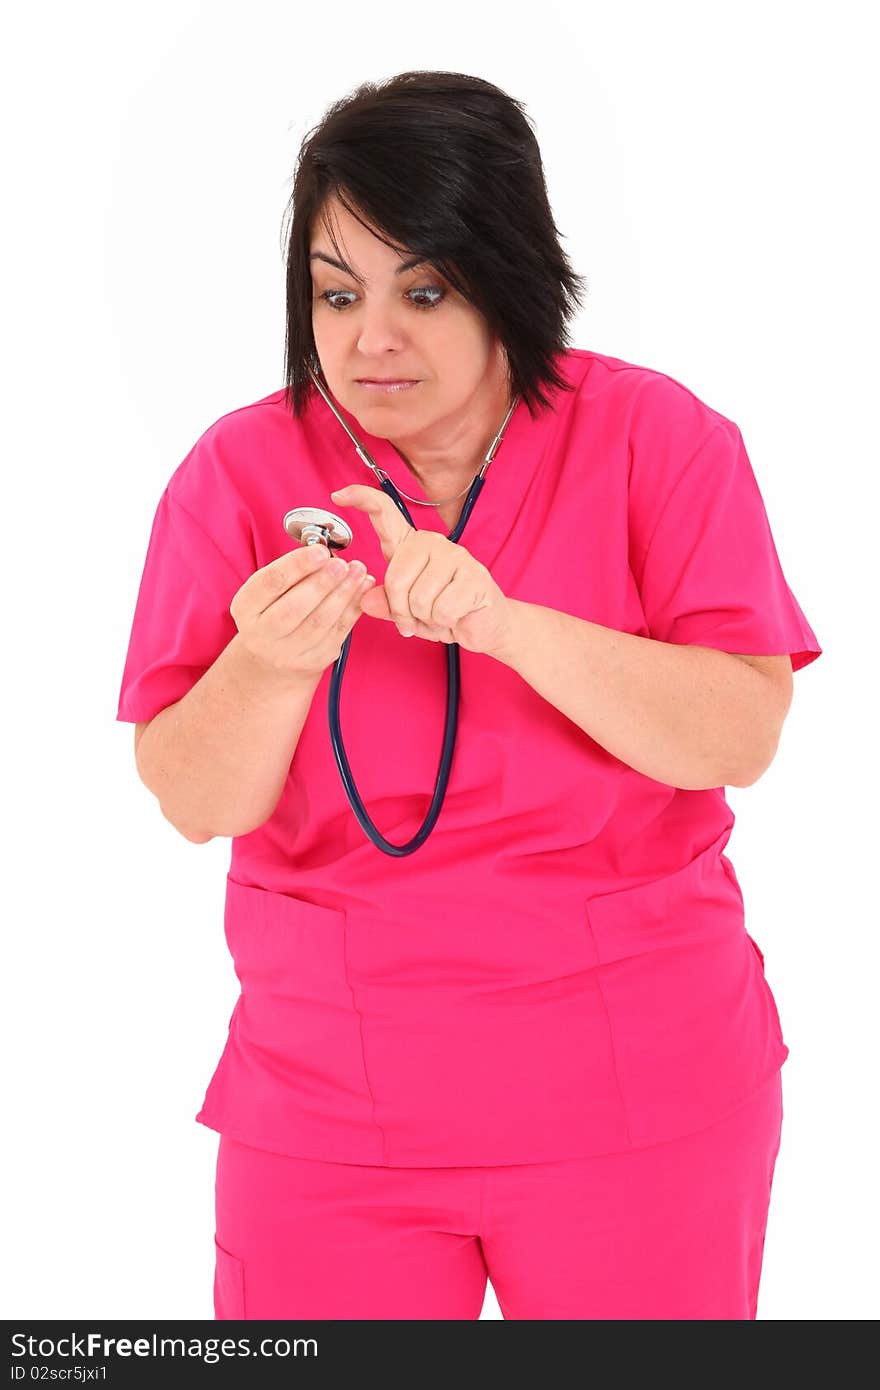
column 376, row 603
column 429, row 632
column 465, row 593
column 342, row 606
column 390, row 525
column 437, row 607
column 376, row 606
column 296, row 604
column 420, row 575
column 403, row 571
column 431, row 589
column 277, row 578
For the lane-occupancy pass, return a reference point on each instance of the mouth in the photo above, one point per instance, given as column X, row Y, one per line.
column 387, row 384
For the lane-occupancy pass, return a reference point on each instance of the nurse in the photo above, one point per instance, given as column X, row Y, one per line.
column 541, row 1050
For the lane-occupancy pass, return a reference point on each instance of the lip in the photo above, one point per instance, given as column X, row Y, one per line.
column 387, row 384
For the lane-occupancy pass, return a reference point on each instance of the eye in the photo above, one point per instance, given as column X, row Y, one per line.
column 428, row 289
column 330, row 295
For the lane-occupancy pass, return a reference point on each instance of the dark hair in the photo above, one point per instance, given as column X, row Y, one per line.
column 448, row 167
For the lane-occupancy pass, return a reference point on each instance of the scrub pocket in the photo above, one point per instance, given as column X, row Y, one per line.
column 292, row 1075
column 228, row 1283
column 693, row 1020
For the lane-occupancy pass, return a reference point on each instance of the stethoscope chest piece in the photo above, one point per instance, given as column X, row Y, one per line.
column 314, row 525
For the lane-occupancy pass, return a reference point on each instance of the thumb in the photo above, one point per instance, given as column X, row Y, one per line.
column 375, row 602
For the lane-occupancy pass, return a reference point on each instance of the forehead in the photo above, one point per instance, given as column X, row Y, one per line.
column 324, row 256
column 341, row 240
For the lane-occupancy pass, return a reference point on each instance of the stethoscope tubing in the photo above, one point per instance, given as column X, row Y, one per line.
column 453, row 689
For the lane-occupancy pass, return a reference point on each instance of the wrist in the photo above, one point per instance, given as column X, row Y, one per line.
column 271, row 680
column 509, row 645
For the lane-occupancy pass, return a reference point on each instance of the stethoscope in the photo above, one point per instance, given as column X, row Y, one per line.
column 316, row 526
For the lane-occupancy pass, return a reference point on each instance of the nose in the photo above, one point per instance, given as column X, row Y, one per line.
column 379, row 333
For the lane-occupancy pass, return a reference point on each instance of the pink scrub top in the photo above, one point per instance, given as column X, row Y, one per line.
column 563, row 968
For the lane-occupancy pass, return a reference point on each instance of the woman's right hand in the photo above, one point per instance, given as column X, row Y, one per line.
column 294, row 614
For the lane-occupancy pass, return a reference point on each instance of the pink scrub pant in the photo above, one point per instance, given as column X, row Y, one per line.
column 672, row 1231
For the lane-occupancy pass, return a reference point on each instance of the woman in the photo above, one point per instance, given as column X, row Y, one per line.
column 541, row 1049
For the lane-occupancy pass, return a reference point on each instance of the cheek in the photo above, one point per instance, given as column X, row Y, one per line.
column 468, row 342
column 328, row 337
column 464, row 359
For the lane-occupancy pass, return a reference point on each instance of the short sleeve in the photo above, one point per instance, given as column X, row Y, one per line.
column 701, row 548
column 181, row 620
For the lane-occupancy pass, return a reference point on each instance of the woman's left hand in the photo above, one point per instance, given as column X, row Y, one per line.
column 433, row 587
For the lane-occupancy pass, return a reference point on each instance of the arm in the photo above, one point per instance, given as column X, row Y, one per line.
column 217, row 759
column 691, row 717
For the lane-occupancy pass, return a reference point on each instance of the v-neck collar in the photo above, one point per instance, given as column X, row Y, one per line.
column 507, row 480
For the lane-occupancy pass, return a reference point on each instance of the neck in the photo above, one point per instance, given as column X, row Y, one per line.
column 456, row 450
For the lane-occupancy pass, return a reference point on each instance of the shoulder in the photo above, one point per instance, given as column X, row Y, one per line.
column 217, row 467
column 210, row 505
column 642, row 404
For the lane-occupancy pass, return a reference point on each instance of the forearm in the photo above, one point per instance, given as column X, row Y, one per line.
column 218, row 758
column 690, row 717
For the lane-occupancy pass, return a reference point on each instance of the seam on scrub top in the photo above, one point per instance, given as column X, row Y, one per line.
column 361, row 1030
column 597, row 968
column 175, row 503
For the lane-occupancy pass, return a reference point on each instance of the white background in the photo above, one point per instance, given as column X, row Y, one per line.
column 709, row 168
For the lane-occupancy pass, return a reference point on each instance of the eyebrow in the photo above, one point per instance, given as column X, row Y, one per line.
column 341, row 265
